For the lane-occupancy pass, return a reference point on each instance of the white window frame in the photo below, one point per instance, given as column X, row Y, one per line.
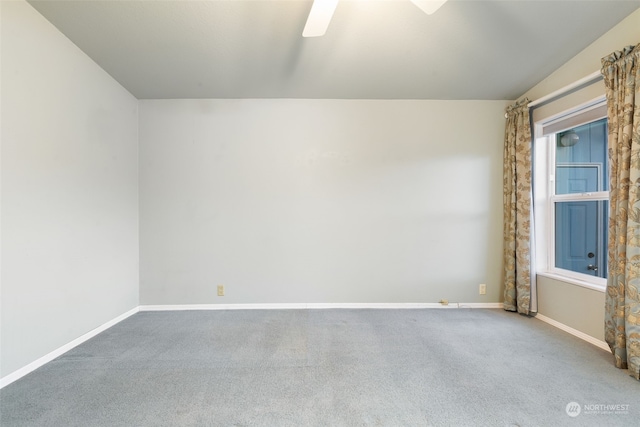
column 545, row 186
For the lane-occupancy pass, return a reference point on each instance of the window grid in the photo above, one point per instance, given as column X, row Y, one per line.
column 554, row 199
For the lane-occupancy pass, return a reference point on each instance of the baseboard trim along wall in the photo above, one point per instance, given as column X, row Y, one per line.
column 16, row 375
column 603, row 345
column 303, row 306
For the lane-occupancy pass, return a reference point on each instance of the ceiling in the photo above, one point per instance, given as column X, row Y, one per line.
column 384, row 49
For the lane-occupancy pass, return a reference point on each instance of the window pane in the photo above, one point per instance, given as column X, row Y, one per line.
column 581, row 159
column 581, row 236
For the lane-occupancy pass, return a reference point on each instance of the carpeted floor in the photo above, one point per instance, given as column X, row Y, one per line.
column 343, row 367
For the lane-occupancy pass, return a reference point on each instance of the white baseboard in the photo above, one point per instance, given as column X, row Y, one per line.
column 481, row 305
column 182, row 307
column 598, row 343
column 302, row 306
column 16, row 375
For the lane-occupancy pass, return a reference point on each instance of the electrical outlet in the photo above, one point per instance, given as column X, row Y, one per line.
column 444, row 301
column 482, row 289
column 220, row 290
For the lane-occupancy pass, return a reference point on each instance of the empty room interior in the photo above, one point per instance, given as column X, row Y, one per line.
column 269, row 213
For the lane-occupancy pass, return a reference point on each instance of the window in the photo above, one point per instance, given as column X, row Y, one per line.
column 571, row 187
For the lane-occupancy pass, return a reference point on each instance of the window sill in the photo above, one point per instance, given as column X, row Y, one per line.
column 573, row 281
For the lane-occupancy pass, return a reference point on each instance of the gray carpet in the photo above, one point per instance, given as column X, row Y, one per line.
column 456, row 367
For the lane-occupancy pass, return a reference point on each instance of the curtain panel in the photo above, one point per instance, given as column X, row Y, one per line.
column 517, row 209
column 621, row 71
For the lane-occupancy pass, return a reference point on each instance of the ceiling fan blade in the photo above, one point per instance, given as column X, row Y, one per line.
column 429, row 6
column 319, row 18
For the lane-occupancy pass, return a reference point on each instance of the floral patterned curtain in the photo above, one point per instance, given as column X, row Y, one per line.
column 517, row 210
column 621, row 71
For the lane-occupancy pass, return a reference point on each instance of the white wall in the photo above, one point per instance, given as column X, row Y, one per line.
column 572, row 305
column 286, row 201
column 69, row 191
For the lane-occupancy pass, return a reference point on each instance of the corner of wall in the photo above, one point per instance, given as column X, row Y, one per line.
column 626, row 32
